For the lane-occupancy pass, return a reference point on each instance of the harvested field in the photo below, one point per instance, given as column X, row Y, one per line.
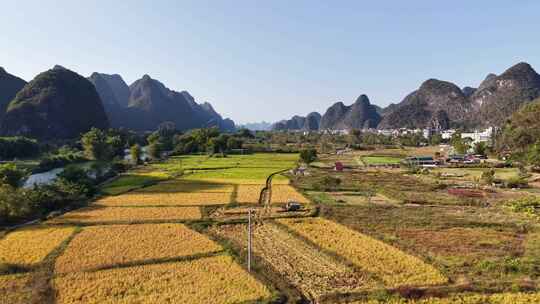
column 307, row 268
column 473, row 243
column 108, row 246
column 207, row 280
column 101, row 214
column 29, row 246
column 15, row 289
column 394, row 267
column 500, row 298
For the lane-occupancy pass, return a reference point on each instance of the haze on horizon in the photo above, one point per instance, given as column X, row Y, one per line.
column 267, row 61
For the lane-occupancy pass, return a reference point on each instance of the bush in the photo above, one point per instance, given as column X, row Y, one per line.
column 328, row 183
column 488, row 176
column 527, row 205
column 75, row 182
column 11, row 175
column 63, row 157
column 516, row 182
column 18, row 147
column 308, row 155
column 13, row 204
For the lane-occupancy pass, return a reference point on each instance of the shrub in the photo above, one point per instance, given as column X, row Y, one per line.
column 18, row 147
column 488, row 176
column 11, row 175
column 516, row 182
column 308, row 155
column 328, row 183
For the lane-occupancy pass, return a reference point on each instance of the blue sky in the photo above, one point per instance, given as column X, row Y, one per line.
column 268, row 60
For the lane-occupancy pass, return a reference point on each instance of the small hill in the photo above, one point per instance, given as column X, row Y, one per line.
column 9, row 86
column 500, row 96
column 57, row 104
column 436, row 104
column 307, row 123
column 151, row 103
column 522, row 129
column 361, row 114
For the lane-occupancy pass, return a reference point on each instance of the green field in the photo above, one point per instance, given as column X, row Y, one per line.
column 254, row 167
column 474, row 173
column 380, row 160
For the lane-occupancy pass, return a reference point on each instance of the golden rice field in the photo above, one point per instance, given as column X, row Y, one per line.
column 313, row 272
column 207, row 280
column 501, row 298
column 100, row 214
column 29, row 246
column 180, row 185
column 107, row 246
column 280, row 194
column 394, row 267
column 166, row 199
column 14, row 289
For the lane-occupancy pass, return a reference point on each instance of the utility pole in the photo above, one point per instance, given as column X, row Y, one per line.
column 249, row 241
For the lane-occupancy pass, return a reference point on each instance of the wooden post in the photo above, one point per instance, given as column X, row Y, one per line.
column 249, row 241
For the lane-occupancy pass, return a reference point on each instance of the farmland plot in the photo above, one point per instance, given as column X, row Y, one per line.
column 280, row 194
column 309, row 270
column 501, row 298
column 29, row 246
column 166, row 199
column 393, row 266
column 207, row 280
column 107, row 246
column 101, row 214
column 180, row 185
column 14, row 289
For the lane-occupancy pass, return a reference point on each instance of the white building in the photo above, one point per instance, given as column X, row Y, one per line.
column 479, row 136
column 447, row 134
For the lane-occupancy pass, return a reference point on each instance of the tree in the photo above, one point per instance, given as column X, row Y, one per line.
column 135, row 152
column 234, row 143
column 218, row 144
column 436, row 139
column 154, row 150
column 245, row 133
column 488, row 176
column 480, row 148
column 355, row 136
column 96, row 145
column 461, row 145
column 11, row 175
column 308, row 155
column 533, row 155
column 18, row 147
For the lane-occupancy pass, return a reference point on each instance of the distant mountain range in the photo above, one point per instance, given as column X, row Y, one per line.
column 436, row 104
column 256, row 126
column 61, row 104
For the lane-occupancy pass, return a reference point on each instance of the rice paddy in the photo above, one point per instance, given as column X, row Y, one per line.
column 175, row 232
column 109, row 246
column 29, row 246
column 207, row 280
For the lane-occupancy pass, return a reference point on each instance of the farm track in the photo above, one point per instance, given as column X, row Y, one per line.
column 311, row 271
